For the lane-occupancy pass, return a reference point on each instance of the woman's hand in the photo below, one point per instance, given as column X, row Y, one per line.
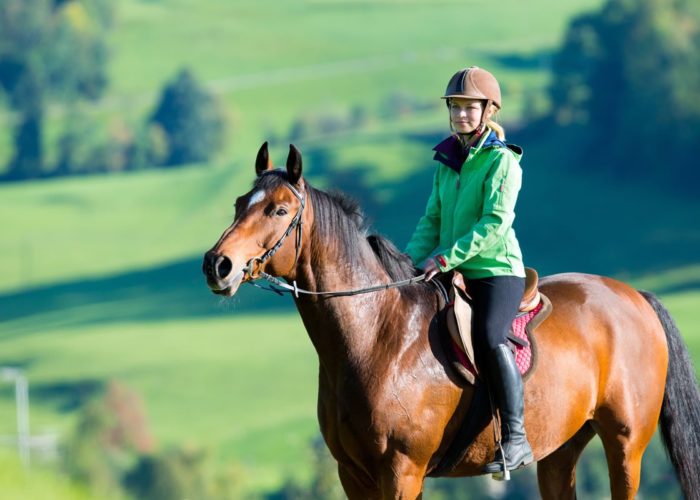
column 431, row 269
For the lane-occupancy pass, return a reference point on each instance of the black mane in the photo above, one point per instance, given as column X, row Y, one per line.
column 338, row 216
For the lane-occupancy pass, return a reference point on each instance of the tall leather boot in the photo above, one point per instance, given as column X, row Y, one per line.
column 506, row 386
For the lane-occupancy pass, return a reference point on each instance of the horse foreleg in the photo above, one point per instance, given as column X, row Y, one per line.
column 354, row 488
column 556, row 473
column 402, row 480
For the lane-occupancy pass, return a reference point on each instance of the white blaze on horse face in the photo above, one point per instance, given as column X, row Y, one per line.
column 257, row 197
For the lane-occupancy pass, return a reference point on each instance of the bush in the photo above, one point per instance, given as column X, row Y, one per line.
column 191, row 120
column 180, row 473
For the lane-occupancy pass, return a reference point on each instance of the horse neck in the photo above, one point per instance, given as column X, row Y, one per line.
column 344, row 330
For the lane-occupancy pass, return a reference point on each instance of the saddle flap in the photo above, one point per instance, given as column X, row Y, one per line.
column 459, row 321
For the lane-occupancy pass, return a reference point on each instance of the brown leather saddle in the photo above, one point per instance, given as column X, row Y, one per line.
column 458, row 317
column 531, row 296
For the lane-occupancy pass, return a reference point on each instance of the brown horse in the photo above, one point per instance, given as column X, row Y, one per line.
column 612, row 362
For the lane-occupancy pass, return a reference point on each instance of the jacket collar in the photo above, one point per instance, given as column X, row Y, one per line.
column 451, row 153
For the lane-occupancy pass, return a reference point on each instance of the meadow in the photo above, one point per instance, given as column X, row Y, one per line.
column 99, row 276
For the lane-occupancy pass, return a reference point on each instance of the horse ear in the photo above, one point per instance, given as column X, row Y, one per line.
column 294, row 164
column 262, row 162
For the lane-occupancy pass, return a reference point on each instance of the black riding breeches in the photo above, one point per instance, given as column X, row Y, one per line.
column 495, row 304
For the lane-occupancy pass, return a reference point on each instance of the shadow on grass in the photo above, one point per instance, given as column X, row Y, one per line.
column 565, row 222
column 171, row 291
column 67, row 396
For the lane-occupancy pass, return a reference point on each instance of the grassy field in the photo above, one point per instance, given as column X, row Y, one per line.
column 39, row 483
column 241, row 387
column 273, row 61
column 100, row 279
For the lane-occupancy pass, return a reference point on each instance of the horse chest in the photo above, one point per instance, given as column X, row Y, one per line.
column 351, row 423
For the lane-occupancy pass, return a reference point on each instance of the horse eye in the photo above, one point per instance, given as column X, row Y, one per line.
column 281, row 211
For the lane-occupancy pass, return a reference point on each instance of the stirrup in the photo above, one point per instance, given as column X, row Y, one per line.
column 504, row 475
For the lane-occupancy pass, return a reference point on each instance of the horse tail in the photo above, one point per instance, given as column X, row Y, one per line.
column 680, row 410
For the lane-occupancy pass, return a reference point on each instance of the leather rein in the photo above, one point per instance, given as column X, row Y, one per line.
column 254, row 265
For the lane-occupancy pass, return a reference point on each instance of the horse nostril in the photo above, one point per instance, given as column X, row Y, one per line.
column 223, row 267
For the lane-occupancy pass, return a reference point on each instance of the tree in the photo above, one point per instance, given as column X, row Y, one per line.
column 325, row 484
column 192, row 122
column 626, row 81
column 49, row 49
column 111, row 432
column 181, row 473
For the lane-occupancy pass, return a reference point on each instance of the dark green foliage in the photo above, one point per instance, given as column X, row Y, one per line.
column 178, row 473
column 466, row 488
column 111, row 432
column 325, row 484
column 48, row 50
column 190, row 119
column 112, row 450
column 626, row 82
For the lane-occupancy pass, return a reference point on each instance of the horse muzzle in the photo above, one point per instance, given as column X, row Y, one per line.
column 221, row 279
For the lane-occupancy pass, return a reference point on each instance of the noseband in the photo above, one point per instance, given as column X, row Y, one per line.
column 254, row 265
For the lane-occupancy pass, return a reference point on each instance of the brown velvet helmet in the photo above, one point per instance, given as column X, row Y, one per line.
column 474, row 83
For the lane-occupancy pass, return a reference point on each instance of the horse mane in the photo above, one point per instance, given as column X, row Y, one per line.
column 339, row 217
column 339, row 214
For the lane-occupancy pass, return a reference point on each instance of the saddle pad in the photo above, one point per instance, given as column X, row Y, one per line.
column 524, row 354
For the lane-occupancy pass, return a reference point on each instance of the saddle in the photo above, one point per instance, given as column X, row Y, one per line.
column 534, row 309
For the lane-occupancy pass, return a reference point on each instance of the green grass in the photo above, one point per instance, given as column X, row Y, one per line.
column 38, row 483
column 95, row 226
column 683, row 307
column 242, row 387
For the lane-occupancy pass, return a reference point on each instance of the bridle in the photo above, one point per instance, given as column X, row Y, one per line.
column 253, row 268
column 255, row 264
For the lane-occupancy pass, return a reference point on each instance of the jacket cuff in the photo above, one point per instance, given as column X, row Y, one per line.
column 441, row 262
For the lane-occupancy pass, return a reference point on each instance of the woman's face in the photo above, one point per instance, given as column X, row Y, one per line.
column 465, row 114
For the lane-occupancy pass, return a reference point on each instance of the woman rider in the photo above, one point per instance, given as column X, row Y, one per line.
column 468, row 227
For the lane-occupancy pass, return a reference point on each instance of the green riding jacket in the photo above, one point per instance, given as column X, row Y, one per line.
column 468, row 221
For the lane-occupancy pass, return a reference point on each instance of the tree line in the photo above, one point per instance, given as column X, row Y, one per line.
column 626, row 86
column 54, row 52
column 624, row 89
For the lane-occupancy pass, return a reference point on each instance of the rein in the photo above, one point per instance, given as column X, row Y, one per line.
column 293, row 288
column 257, row 262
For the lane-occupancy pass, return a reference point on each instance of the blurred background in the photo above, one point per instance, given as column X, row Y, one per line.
column 128, row 127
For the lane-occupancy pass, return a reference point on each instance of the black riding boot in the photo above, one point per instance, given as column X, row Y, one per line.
column 506, row 386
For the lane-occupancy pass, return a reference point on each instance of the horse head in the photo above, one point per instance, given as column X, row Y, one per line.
column 267, row 227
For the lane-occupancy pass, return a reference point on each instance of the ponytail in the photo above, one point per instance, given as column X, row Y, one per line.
column 500, row 132
column 493, row 125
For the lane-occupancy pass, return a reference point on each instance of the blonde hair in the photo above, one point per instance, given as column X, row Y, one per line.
column 500, row 132
column 495, row 126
